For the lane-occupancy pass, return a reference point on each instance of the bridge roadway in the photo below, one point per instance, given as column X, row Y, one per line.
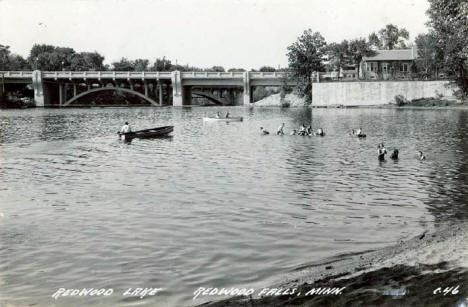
column 45, row 83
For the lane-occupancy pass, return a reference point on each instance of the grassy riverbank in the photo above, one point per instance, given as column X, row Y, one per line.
column 411, row 273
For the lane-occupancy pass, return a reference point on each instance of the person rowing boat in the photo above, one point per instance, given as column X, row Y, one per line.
column 126, row 128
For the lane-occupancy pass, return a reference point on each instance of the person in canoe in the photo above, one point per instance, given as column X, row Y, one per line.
column 126, row 128
column 280, row 130
column 227, row 114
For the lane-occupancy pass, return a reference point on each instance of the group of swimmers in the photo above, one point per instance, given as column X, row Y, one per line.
column 381, row 150
column 303, row 130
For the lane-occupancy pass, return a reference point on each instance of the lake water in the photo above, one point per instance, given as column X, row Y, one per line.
column 216, row 205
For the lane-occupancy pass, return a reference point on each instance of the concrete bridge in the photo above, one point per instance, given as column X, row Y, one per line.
column 65, row 88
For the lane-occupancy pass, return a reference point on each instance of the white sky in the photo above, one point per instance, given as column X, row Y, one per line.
column 203, row 33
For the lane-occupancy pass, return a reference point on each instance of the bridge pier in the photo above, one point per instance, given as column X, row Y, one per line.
column 177, row 89
column 41, row 93
column 62, row 94
column 160, row 93
column 74, row 89
column 146, row 88
column 247, row 89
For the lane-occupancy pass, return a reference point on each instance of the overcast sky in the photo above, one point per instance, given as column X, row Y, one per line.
column 203, row 33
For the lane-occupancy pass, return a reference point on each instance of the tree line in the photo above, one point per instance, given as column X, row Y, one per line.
column 53, row 58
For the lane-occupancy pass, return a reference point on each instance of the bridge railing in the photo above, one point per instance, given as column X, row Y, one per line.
column 16, row 74
column 265, row 75
column 107, row 74
column 143, row 74
column 211, row 75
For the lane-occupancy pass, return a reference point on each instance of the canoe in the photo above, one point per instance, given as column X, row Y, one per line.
column 147, row 133
column 223, row 119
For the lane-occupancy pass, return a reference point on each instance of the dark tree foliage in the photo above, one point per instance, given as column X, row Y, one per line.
column 11, row 61
column 359, row 48
column 236, row 70
column 123, row 64
column 161, row 65
column 427, row 61
column 338, row 55
column 390, row 37
column 449, row 22
column 267, row 69
column 48, row 57
column 305, row 56
column 216, row 69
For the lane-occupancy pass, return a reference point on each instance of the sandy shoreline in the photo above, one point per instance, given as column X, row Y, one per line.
column 406, row 274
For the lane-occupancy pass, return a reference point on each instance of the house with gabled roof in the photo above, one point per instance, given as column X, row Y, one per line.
column 388, row 64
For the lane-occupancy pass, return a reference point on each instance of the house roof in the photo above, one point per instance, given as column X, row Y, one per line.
column 393, row 55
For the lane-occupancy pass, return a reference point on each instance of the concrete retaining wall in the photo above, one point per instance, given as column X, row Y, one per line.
column 375, row 92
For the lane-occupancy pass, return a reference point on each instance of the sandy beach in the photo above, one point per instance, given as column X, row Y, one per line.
column 427, row 270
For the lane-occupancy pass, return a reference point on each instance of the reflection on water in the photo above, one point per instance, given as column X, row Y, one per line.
column 215, row 205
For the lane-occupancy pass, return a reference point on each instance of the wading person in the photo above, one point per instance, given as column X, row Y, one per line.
column 280, row 130
column 302, row 130
column 320, row 132
column 381, row 151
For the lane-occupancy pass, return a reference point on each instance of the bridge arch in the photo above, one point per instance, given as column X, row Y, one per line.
column 210, row 97
column 101, row 89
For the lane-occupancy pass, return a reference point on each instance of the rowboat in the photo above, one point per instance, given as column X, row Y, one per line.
column 223, row 119
column 147, row 133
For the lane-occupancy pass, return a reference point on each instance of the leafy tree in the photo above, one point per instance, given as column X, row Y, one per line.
column 178, row 67
column 236, row 70
column 123, row 65
column 4, row 56
column 17, row 62
column 338, row 55
column 390, row 37
column 162, row 65
column 267, row 69
column 48, row 57
column 426, row 46
column 87, row 61
column 359, row 48
column 140, row 65
column 449, row 22
column 305, row 56
column 216, row 69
